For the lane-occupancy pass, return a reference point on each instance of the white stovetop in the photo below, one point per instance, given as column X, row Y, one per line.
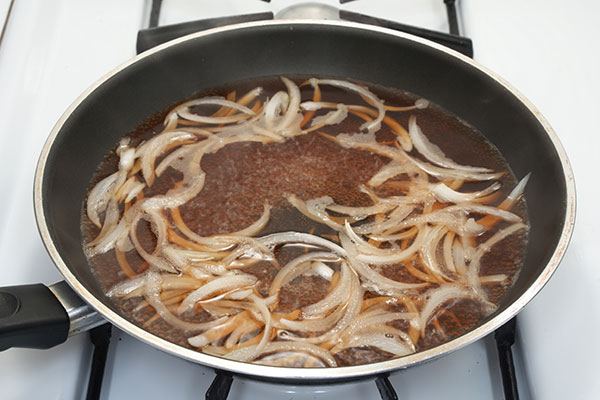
column 547, row 49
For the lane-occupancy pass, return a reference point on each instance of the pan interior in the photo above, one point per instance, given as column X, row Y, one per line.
column 162, row 78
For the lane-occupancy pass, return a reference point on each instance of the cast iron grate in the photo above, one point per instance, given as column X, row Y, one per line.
column 155, row 35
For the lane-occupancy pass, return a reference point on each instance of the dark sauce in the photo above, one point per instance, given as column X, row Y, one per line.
column 242, row 176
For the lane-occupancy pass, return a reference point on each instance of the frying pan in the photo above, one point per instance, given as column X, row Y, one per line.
column 32, row 316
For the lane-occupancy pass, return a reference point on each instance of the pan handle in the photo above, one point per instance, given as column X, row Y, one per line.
column 39, row 317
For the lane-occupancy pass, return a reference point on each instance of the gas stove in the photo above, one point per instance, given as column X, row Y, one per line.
column 51, row 51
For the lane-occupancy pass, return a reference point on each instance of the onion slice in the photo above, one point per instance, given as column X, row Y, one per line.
column 444, row 194
column 184, row 110
column 436, row 298
column 333, row 299
column 250, row 353
column 99, row 197
column 432, row 152
column 368, row 126
column 221, row 284
column 297, row 267
column 152, row 294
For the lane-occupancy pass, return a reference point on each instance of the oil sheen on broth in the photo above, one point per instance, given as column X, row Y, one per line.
column 242, row 176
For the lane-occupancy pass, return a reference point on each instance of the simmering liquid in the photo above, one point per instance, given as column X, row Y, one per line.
column 241, row 177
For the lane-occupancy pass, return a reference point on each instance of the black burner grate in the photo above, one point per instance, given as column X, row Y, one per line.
column 154, row 35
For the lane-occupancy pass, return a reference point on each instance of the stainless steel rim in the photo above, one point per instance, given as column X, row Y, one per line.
column 284, row 373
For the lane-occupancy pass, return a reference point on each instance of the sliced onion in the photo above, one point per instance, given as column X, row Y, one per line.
column 395, row 221
column 275, row 239
column 432, row 152
column 483, row 248
column 297, row 267
column 331, row 118
column 247, row 248
column 130, row 189
column 359, row 140
column 365, row 322
column 192, row 185
column 291, row 359
column 112, row 231
column 128, row 287
column 360, row 213
column 152, row 294
column 338, row 295
column 517, row 192
column 201, row 257
column 239, row 294
column 447, row 173
column 183, row 110
column 170, row 121
column 274, row 107
column 315, row 209
column 268, row 133
column 251, row 95
column 437, row 297
column 421, row 104
column 444, row 194
column 497, row 278
column 451, row 216
column 365, row 253
column 266, row 314
column 429, row 249
column 292, row 113
column 459, row 258
column 363, row 247
column 172, row 282
column 220, row 284
column 99, row 196
column 376, row 281
column 482, row 209
column 368, row 126
column 352, row 309
column 250, row 353
column 448, row 254
column 150, row 150
column 174, row 158
column 257, row 226
column 242, row 331
column 388, row 171
column 217, row 332
column 318, row 268
column 316, row 105
column 387, row 339
column 319, row 324
column 159, row 228
column 126, row 159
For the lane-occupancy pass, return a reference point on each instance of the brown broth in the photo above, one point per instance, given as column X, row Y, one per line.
column 242, row 176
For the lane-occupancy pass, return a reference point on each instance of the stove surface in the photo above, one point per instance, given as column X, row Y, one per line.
column 52, row 51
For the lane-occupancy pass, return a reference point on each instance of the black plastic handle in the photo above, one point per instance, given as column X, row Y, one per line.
column 31, row 316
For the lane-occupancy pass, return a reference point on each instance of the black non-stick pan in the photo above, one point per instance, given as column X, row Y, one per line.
column 120, row 101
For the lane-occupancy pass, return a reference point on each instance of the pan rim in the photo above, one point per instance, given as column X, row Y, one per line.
column 299, row 374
